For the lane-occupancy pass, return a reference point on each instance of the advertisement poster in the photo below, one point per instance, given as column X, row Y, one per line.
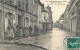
column 39, row 24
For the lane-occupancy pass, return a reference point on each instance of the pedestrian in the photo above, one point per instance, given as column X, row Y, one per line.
column 18, row 30
column 30, row 30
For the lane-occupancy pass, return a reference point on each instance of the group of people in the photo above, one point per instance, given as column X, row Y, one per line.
column 17, row 31
column 35, row 30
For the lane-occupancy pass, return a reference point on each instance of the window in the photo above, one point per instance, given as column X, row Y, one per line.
column 44, row 18
column 26, row 22
column 72, row 13
column 72, row 2
column 10, row 1
column 13, row 16
column 19, row 5
column 27, row 6
column 6, row 14
column 33, row 2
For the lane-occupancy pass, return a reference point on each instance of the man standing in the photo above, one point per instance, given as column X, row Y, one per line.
column 30, row 30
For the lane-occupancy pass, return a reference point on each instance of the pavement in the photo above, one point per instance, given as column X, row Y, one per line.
column 34, row 40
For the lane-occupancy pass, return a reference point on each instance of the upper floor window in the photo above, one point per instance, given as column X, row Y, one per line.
column 72, row 13
column 27, row 6
column 44, row 18
column 10, row 1
column 19, row 5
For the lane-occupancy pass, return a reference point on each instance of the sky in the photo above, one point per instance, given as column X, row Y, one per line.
column 57, row 7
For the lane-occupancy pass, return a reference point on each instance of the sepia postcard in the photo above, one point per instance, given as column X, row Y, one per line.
column 39, row 24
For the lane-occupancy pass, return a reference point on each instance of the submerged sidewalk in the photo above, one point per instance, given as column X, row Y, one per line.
column 30, row 40
column 40, row 40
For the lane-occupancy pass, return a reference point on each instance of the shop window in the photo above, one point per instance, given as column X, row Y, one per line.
column 26, row 22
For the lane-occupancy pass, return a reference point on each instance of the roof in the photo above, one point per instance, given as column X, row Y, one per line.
column 40, row 3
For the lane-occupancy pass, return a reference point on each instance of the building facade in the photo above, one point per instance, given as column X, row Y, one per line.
column 61, row 22
column 44, row 19
column 47, row 18
column 78, row 18
column 66, row 19
column 72, row 17
column 17, row 15
column 40, row 15
column 50, row 22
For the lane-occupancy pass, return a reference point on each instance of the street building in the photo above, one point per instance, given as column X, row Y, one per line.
column 40, row 8
column 50, row 22
column 78, row 17
column 44, row 19
column 56, row 24
column 47, row 18
column 66, row 19
column 18, row 15
column 72, row 17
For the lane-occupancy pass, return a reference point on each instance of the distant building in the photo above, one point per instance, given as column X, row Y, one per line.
column 50, row 22
column 56, row 24
column 47, row 18
column 61, row 22
column 44, row 19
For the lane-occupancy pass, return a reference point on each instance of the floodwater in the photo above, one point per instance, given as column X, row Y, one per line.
column 52, row 40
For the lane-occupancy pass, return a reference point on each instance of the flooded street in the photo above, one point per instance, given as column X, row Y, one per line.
column 58, row 37
column 52, row 40
column 39, row 25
